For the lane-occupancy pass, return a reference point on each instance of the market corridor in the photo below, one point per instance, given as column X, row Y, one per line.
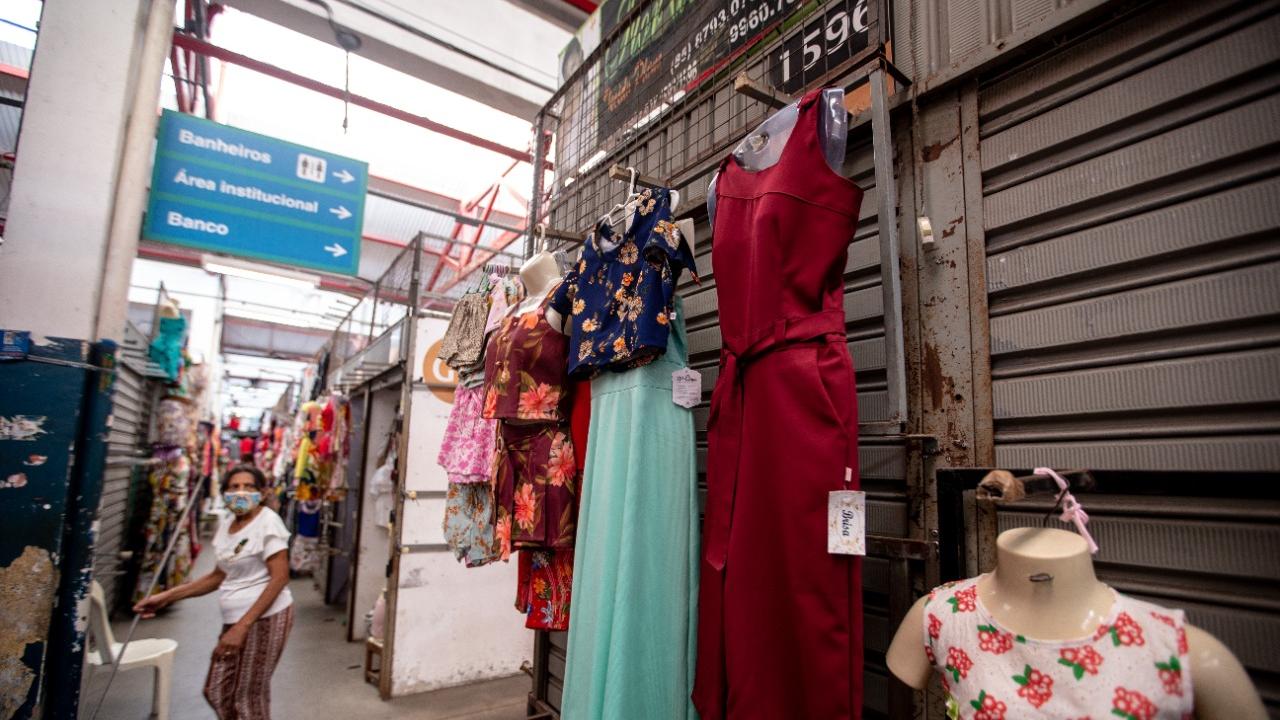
column 319, row 675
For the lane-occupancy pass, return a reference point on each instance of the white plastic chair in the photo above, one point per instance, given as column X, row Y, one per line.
column 147, row 652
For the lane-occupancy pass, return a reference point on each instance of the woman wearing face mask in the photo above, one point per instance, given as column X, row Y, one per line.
column 252, row 579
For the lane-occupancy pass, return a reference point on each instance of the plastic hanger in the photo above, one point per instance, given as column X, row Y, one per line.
column 631, row 196
column 540, row 237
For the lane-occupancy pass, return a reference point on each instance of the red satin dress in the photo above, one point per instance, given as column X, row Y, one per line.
column 780, row 619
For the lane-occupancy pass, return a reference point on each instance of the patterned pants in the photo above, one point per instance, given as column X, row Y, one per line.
column 239, row 686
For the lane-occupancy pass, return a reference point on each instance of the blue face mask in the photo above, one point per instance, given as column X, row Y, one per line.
column 242, row 502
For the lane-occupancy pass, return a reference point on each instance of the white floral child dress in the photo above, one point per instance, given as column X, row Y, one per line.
column 1133, row 667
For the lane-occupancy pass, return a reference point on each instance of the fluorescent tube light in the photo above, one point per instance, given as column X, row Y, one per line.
column 224, row 266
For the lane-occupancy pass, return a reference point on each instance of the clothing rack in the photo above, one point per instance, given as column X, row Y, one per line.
column 1004, row 486
column 618, row 172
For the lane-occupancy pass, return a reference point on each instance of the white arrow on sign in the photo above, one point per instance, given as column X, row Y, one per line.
column 344, row 176
column 341, row 212
column 337, row 250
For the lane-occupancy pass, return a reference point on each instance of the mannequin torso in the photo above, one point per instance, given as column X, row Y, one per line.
column 1044, row 588
column 763, row 147
column 539, row 275
column 1044, row 585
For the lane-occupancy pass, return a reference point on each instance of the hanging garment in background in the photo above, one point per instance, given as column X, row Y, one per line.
column 304, row 554
column 463, row 343
column 169, row 482
column 618, row 298
column 780, row 619
column 173, row 423
column 469, row 524
column 1134, row 666
column 166, row 348
column 633, row 633
column 322, row 376
column 466, row 453
column 382, row 486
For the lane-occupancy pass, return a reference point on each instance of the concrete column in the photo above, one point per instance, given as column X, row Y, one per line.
column 83, row 160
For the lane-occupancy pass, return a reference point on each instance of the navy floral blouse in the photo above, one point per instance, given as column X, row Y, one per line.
column 620, row 296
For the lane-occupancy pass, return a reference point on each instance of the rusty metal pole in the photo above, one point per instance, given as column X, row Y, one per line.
column 535, row 200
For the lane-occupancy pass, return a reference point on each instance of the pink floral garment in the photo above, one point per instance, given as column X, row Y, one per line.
column 1133, row 667
column 466, row 453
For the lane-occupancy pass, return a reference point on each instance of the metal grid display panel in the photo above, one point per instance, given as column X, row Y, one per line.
column 678, row 138
column 1131, row 201
column 681, row 147
column 883, row 461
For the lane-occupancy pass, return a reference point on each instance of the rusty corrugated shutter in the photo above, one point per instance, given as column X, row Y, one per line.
column 130, row 421
column 1131, row 203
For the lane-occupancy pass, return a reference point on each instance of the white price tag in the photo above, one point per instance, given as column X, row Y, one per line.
column 686, row 387
column 847, row 522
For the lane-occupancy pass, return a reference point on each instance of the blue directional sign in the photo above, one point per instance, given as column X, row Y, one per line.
column 219, row 188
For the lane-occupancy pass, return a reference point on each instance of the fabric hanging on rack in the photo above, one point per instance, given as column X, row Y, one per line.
column 618, row 298
column 382, row 486
column 544, row 588
column 340, row 444
column 466, row 452
column 580, row 422
column 535, row 483
column 166, row 348
column 780, row 618
column 632, row 640
column 322, row 376
column 304, row 555
column 469, row 524
column 173, row 423
column 170, row 493
column 463, row 344
column 535, row 472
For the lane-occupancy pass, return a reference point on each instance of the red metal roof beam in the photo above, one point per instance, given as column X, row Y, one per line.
column 14, row 72
column 193, row 44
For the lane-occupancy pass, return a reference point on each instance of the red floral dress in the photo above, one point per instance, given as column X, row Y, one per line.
column 1134, row 667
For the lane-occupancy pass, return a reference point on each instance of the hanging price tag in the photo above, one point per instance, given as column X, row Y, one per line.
column 847, row 522
column 686, row 387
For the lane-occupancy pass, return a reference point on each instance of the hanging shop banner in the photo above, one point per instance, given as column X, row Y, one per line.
column 673, row 45
column 219, row 188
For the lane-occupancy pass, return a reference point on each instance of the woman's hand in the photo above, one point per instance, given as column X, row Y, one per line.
column 149, row 606
column 232, row 640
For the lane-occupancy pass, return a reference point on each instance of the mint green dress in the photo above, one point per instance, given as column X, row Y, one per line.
column 632, row 631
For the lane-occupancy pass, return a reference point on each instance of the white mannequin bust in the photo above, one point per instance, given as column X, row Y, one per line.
column 539, row 274
column 1071, row 604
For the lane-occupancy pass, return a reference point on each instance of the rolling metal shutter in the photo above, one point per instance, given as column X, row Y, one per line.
column 1131, row 201
column 130, row 420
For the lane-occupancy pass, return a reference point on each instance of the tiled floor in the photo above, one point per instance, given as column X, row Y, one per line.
column 320, row 675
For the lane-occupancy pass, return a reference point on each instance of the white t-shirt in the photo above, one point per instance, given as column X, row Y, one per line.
column 243, row 557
